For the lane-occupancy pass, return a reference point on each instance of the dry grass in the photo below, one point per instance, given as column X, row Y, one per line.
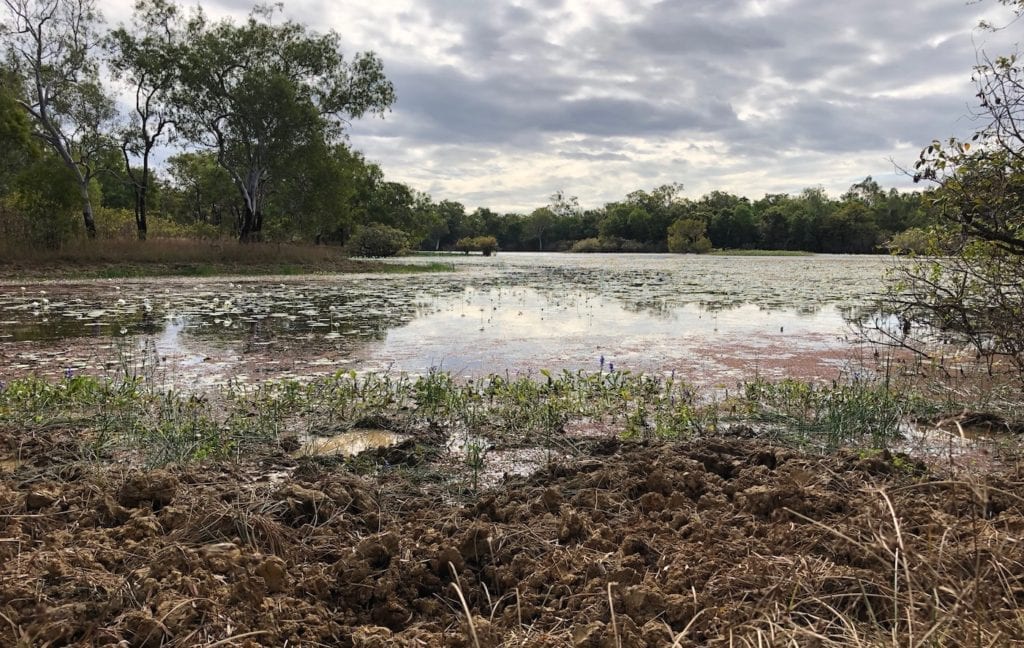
column 128, row 257
column 945, row 573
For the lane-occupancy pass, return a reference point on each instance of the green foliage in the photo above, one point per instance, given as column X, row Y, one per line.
column 377, row 241
column 608, row 244
column 859, row 412
column 41, row 210
column 967, row 289
column 201, row 192
column 17, row 148
column 121, row 223
column 260, row 93
column 129, row 412
column 538, row 223
column 485, row 244
column 260, row 108
column 50, row 45
column 915, row 241
column 146, row 57
column 688, row 235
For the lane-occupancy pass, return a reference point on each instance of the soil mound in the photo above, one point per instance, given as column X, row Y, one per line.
column 687, row 544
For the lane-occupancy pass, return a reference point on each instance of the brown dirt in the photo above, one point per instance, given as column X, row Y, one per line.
column 701, row 543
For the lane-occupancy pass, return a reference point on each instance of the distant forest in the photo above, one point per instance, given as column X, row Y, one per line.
column 255, row 113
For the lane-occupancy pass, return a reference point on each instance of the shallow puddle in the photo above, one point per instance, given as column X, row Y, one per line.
column 971, row 450
column 9, row 465
column 349, row 444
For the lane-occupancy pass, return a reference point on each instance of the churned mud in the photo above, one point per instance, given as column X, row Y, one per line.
column 713, row 542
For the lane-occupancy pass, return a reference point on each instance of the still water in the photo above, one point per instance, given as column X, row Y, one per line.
column 708, row 318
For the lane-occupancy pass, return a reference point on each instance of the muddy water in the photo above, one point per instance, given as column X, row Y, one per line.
column 709, row 318
column 349, row 443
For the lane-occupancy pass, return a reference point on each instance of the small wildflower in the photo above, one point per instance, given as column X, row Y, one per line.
column 69, row 373
column 602, row 363
column 611, row 366
column 3, row 386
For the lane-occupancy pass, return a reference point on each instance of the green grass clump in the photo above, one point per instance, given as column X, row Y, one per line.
column 861, row 412
column 129, row 412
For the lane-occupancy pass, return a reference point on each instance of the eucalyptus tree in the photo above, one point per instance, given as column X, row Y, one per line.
column 538, row 224
column 145, row 56
column 968, row 288
column 51, row 45
column 17, row 148
column 258, row 93
column 200, row 191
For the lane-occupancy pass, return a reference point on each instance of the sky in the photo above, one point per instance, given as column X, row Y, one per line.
column 501, row 104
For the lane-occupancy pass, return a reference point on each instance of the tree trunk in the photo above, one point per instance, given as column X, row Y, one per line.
column 90, row 224
column 251, row 225
column 246, row 229
column 140, row 212
column 252, row 216
column 140, row 199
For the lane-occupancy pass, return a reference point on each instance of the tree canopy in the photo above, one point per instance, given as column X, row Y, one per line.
column 251, row 116
column 967, row 287
column 259, row 94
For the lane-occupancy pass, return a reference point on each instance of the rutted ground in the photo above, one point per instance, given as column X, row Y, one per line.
column 694, row 543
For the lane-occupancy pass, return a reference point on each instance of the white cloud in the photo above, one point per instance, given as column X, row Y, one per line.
column 500, row 103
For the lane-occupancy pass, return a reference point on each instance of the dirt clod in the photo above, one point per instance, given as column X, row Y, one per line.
column 154, row 489
column 729, row 540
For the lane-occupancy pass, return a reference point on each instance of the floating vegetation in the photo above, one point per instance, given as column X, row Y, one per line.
column 712, row 315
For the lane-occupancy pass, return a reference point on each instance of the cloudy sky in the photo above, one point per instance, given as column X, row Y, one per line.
column 500, row 104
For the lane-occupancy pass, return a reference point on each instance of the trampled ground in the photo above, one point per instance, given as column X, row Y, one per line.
column 712, row 542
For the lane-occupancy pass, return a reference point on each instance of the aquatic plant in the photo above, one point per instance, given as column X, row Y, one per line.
column 160, row 425
column 865, row 411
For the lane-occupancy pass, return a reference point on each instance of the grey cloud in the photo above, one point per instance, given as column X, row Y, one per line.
column 813, row 80
column 604, row 156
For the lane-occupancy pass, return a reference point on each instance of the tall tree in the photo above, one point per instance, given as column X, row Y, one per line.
column 201, row 191
column 51, row 45
column 17, row 148
column 145, row 55
column 538, row 223
column 969, row 286
column 258, row 92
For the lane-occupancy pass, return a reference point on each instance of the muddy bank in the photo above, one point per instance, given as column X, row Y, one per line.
column 717, row 542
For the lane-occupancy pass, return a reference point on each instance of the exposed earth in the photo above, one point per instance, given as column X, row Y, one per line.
column 725, row 541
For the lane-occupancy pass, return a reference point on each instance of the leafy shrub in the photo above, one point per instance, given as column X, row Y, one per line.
column 43, row 211
column 117, row 223
column 912, row 241
column 688, row 235
column 609, row 244
column 486, row 244
column 377, row 240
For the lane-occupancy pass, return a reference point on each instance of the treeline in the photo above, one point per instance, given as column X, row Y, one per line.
column 865, row 219
column 254, row 115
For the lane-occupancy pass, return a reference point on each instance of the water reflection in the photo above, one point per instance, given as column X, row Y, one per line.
column 516, row 311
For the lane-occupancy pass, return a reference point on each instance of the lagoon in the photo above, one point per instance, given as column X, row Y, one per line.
column 709, row 319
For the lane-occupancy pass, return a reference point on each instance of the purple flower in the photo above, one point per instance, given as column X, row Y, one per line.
column 3, row 385
column 611, row 366
column 602, row 363
column 69, row 373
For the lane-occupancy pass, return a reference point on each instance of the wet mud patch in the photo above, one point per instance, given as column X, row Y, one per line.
column 698, row 543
